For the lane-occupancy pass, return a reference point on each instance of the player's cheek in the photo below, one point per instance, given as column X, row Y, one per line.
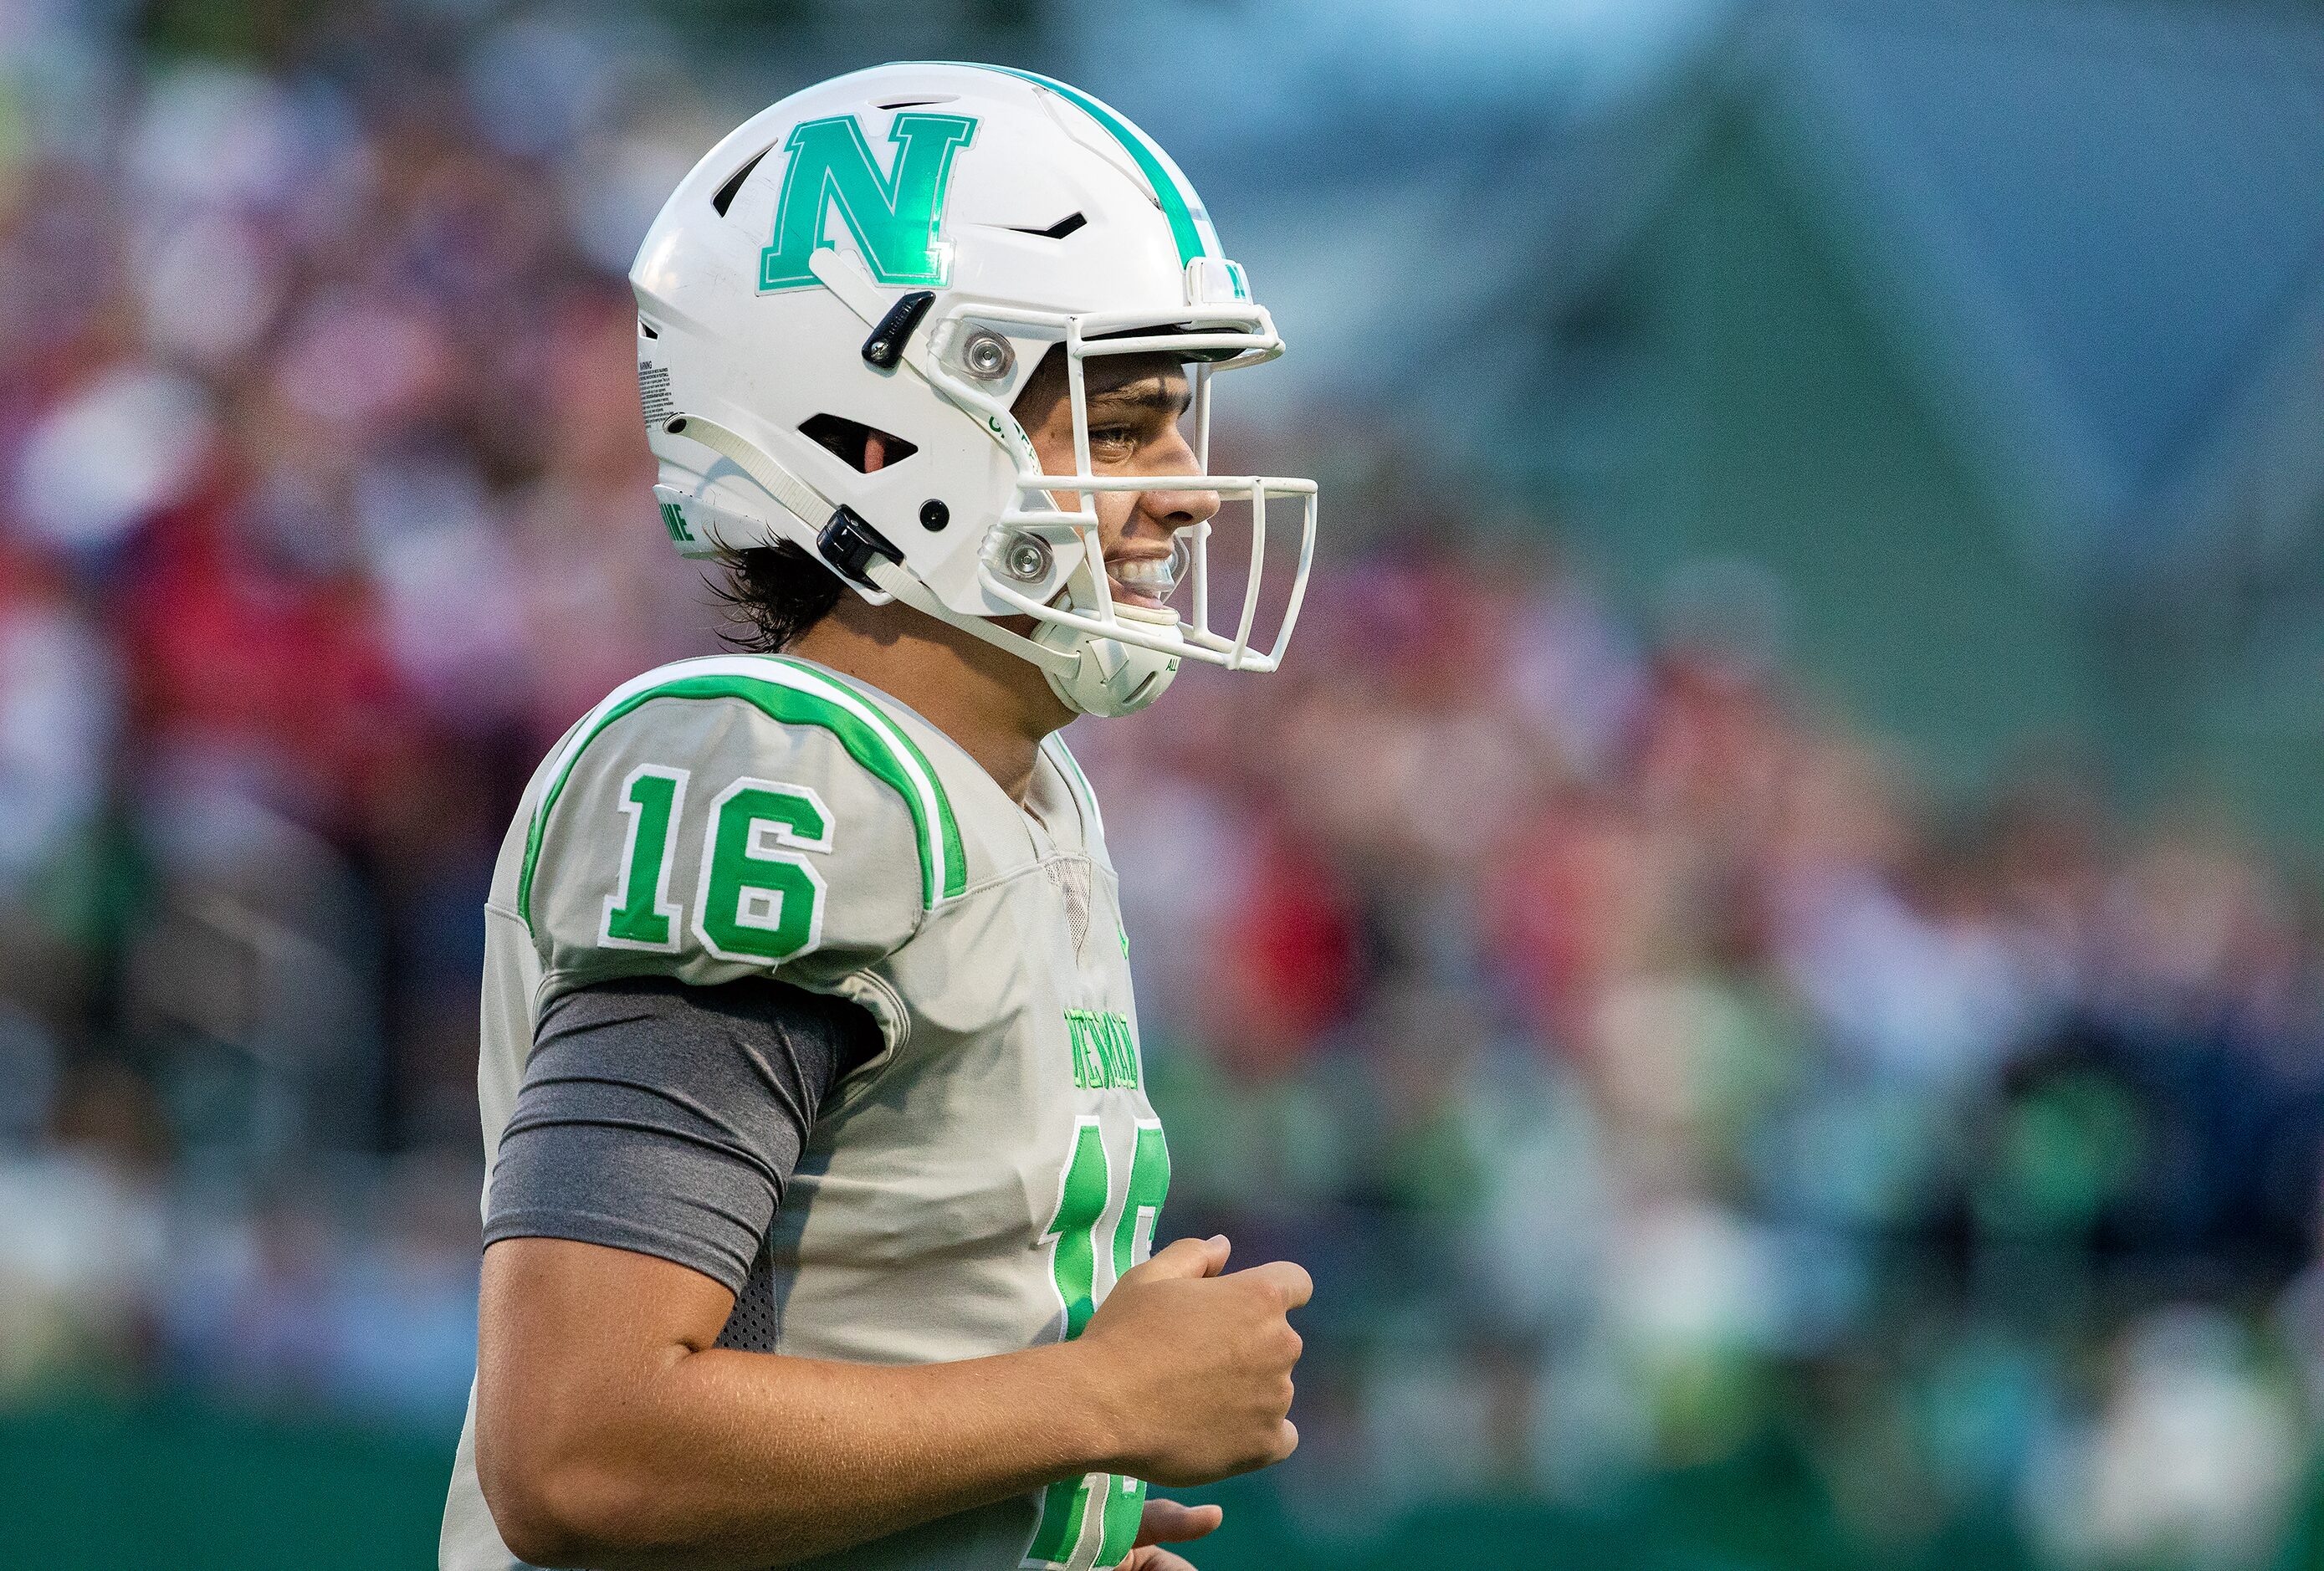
column 1115, row 512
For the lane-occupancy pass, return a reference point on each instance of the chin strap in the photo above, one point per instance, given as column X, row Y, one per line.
column 891, row 578
column 801, row 500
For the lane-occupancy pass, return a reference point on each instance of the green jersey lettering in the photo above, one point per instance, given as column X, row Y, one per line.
column 1084, row 1199
column 761, row 900
column 640, row 914
column 1104, row 1055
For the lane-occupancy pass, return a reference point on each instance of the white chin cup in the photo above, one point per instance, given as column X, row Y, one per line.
column 1112, row 677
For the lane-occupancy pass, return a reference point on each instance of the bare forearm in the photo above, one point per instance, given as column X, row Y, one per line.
column 746, row 1459
column 612, row 1434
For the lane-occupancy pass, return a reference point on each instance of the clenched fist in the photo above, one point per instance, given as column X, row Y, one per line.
column 1195, row 1367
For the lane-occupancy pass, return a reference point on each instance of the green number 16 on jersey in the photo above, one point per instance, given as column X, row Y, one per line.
column 757, row 899
column 1086, row 1198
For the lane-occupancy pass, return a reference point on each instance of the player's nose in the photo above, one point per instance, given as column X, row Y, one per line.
column 1174, row 508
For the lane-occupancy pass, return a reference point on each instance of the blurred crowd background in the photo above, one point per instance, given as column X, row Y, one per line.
column 1765, row 948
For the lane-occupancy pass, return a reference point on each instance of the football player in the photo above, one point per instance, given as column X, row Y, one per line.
column 823, row 1180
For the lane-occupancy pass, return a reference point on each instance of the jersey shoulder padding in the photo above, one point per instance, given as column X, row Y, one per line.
column 719, row 817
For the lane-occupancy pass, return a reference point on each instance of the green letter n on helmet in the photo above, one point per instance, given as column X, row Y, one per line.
column 894, row 216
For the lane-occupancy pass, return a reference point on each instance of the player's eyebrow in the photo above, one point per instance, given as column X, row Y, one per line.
column 1150, row 393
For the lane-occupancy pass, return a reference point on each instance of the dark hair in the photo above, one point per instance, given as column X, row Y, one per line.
column 773, row 594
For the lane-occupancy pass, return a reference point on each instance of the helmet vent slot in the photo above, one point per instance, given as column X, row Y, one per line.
column 916, row 103
column 1057, row 231
column 725, row 196
column 848, row 440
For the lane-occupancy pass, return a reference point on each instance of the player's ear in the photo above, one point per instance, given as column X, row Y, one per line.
column 875, row 451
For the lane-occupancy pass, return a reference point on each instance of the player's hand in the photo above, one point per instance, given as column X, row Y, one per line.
column 1193, row 1367
column 1167, row 1521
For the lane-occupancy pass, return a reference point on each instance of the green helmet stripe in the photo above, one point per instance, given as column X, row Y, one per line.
column 1190, row 224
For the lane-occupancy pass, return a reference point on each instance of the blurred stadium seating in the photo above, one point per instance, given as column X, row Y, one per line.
column 1762, row 948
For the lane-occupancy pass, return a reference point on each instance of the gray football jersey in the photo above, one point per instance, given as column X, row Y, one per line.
column 979, row 1185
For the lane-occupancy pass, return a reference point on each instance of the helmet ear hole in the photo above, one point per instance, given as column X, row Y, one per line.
column 848, row 440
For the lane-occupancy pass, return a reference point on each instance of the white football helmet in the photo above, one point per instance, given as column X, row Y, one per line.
column 800, row 283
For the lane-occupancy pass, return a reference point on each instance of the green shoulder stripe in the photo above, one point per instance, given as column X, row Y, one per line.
column 956, row 860
column 793, row 697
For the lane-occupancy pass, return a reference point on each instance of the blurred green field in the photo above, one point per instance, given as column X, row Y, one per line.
column 135, row 1487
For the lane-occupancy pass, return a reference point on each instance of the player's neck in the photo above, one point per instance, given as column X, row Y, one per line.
column 995, row 706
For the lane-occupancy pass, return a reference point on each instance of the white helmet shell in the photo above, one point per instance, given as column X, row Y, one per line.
column 896, row 249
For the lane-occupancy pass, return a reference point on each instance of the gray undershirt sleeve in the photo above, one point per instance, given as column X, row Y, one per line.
column 666, row 1119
